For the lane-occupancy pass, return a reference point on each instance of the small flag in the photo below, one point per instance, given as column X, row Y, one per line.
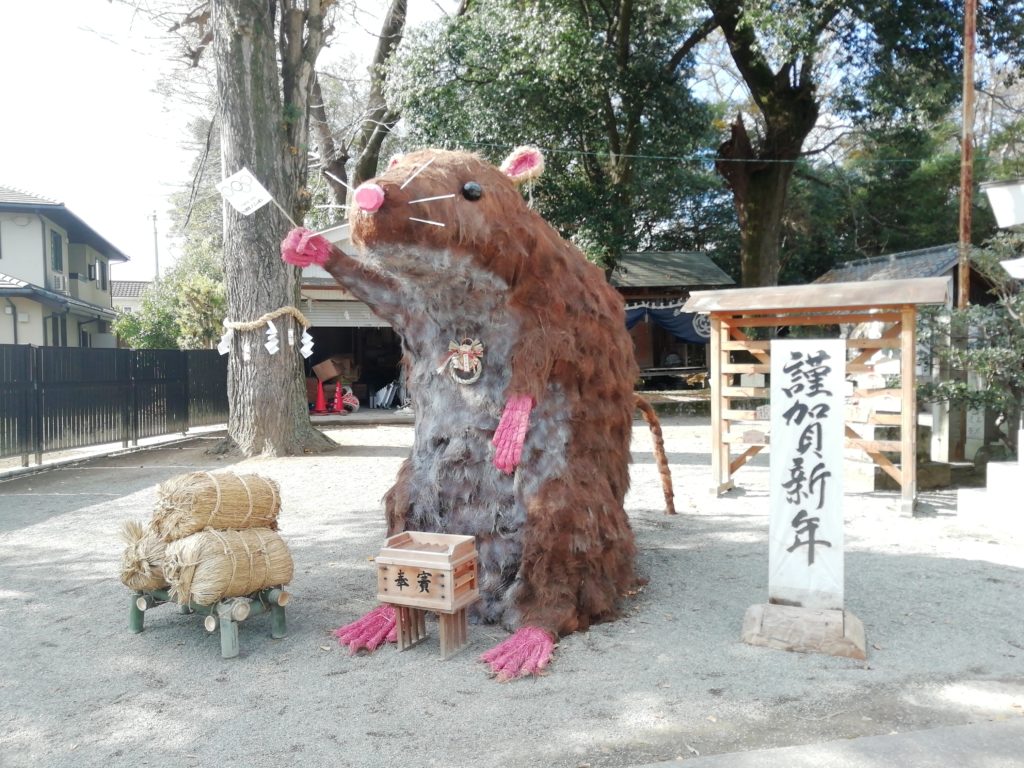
column 244, row 192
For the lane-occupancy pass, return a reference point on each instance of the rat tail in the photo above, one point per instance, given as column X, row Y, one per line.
column 659, row 453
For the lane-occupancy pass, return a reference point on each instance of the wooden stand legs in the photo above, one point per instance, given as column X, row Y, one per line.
column 412, row 629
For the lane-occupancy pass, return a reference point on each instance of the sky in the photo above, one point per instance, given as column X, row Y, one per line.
column 81, row 122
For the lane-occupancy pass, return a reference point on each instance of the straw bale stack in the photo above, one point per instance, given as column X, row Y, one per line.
column 211, row 565
column 190, row 503
column 142, row 561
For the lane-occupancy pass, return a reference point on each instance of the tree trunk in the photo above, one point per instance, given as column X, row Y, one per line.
column 268, row 411
column 759, row 194
column 759, row 177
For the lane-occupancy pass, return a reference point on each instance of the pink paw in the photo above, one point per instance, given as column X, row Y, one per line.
column 302, row 247
column 371, row 631
column 511, row 433
column 527, row 652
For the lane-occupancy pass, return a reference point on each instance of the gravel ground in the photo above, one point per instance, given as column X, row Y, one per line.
column 940, row 597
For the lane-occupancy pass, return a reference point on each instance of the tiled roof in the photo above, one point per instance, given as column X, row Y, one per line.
column 658, row 269
column 12, row 286
column 924, row 262
column 128, row 289
column 17, row 201
column 12, row 195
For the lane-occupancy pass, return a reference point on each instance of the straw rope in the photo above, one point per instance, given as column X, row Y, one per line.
column 190, row 503
column 211, row 565
column 238, row 325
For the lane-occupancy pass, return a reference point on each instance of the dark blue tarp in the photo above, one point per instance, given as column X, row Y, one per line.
column 686, row 326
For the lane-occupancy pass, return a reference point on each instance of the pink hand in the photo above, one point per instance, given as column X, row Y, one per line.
column 302, row 247
column 527, row 652
column 511, row 433
column 371, row 631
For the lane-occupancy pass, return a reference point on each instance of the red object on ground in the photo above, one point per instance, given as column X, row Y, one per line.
column 371, row 631
column 527, row 652
column 321, row 402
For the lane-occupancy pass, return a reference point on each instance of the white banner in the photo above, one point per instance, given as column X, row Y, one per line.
column 805, row 530
column 244, row 192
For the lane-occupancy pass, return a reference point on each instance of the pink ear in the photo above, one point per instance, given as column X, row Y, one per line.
column 523, row 164
column 394, row 161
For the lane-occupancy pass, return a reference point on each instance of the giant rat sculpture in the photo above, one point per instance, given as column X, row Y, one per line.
column 521, row 375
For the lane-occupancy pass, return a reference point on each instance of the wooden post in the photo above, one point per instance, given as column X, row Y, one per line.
column 719, row 448
column 908, row 412
column 453, row 631
column 411, row 626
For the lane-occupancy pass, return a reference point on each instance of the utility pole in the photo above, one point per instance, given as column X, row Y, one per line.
column 156, row 247
column 967, row 156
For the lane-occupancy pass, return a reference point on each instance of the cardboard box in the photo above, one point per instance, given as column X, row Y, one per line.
column 327, row 370
column 335, row 366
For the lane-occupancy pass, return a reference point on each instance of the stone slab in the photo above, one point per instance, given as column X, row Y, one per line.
column 805, row 630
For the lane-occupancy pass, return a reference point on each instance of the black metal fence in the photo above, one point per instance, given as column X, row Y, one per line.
column 57, row 398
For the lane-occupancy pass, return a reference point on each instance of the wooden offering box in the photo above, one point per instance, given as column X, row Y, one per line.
column 429, row 571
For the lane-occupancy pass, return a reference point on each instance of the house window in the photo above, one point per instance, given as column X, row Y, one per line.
column 58, row 330
column 92, row 271
column 56, row 251
column 103, row 275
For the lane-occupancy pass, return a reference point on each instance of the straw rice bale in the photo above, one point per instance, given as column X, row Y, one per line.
column 208, row 566
column 142, row 561
column 189, row 503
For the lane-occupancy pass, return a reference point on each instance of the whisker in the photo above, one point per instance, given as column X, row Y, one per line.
column 427, row 199
column 426, row 221
column 417, row 172
column 346, row 186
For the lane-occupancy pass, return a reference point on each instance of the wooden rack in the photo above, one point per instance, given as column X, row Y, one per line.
column 739, row 316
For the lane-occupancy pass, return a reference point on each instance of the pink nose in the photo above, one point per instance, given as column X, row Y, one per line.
column 369, row 197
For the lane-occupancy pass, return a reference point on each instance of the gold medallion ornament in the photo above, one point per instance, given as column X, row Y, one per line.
column 464, row 361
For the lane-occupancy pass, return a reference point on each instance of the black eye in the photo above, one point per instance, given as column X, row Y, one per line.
column 472, row 191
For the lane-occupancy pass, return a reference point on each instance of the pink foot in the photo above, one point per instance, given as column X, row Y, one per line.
column 511, row 433
column 527, row 652
column 371, row 631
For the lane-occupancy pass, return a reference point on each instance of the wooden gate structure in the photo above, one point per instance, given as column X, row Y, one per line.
column 742, row 319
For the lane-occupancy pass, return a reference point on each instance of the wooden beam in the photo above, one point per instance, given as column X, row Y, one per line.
column 719, row 448
column 828, row 317
column 908, row 427
column 751, row 392
column 744, row 457
column 746, row 367
column 893, row 446
column 878, row 458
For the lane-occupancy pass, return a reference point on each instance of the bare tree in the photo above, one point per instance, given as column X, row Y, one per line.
column 377, row 119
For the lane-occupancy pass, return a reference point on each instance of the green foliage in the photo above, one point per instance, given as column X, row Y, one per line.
column 994, row 340
column 553, row 75
column 182, row 310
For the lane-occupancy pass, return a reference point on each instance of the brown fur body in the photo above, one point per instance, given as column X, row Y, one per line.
column 556, row 547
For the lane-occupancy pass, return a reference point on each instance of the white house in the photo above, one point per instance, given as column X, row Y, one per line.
column 54, row 275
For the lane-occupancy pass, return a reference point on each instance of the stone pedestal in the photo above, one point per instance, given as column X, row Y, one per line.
column 789, row 628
